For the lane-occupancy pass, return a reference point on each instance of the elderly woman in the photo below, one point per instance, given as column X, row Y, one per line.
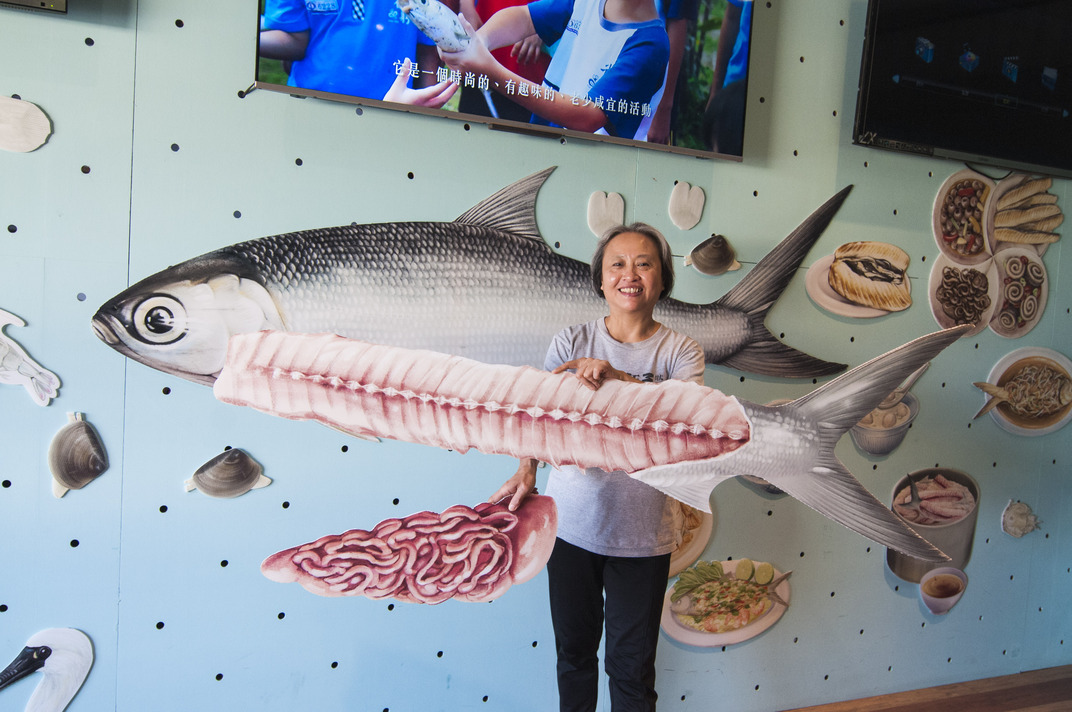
column 612, row 557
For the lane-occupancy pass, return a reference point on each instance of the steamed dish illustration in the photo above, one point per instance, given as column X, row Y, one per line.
column 679, row 437
column 872, row 274
column 485, row 286
column 464, row 553
column 711, row 600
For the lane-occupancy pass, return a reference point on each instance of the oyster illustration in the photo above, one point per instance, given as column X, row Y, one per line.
column 1018, row 519
column 713, row 256
column 230, row 474
column 76, row 455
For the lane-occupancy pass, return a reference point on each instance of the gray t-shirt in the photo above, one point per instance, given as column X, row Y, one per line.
column 610, row 513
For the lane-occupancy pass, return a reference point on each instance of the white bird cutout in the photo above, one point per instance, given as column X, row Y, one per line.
column 64, row 656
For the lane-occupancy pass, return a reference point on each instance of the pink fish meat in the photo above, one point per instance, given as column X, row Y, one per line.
column 456, row 403
column 681, row 438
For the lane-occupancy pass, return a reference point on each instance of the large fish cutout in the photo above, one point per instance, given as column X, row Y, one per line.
column 485, row 286
column 680, row 437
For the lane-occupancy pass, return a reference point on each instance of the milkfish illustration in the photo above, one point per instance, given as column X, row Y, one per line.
column 679, row 437
column 485, row 286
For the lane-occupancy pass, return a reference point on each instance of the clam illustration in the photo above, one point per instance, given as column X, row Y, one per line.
column 713, row 256
column 230, row 474
column 76, row 455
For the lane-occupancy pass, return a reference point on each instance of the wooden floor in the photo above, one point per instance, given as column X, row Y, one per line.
column 1047, row 690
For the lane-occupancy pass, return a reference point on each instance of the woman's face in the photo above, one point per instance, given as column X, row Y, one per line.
column 632, row 274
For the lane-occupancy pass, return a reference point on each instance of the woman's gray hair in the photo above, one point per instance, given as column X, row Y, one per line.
column 666, row 262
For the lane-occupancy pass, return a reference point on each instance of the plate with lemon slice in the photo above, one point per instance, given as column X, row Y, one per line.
column 715, row 603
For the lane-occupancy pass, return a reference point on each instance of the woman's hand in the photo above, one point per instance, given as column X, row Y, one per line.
column 433, row 96
column 593, row 372
column 521, row 485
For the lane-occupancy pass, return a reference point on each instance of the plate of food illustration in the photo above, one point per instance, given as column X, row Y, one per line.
column 1029, row 391
column 963, row 294
column 1023, row 291
column 692, row 529
column 861, row 279
column 1023, row 213
column 959, row 217
column 715, row 603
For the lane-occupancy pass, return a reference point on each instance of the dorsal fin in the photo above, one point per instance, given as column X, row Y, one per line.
column 512, row 209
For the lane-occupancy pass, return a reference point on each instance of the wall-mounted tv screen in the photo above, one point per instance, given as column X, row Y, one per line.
column 984, row 81
column 665, row 74
column 48, row 5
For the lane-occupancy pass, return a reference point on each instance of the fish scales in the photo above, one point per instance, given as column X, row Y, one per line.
column 485, row 286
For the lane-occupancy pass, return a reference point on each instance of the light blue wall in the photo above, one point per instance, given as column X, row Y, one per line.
column 167, row 584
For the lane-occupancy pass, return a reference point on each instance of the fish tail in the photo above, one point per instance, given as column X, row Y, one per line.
column 997, row 396
column 824, row 483
column 792, row 446
column 512, row 209
column 759, row 291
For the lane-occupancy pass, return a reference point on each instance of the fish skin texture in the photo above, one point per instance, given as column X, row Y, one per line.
column 485, row 286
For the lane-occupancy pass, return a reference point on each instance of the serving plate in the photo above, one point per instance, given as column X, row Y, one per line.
column 1001, row 259
column 817, row 284
column 685, row 556
column 993, row 292
column 690, row 636
column 977, row 231
column 1004, row 186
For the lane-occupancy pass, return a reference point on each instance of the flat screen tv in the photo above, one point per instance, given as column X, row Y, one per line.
column 547, row 84
column 984, row 81
column 46, row 5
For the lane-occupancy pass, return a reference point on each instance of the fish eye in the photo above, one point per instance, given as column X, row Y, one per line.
column 159, row 319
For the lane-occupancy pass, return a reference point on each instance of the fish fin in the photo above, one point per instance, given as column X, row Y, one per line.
column 765, row 355
column 831, row 490
column 758, row 291
column 512, row 209
column 824, row 484
column 842, row 402
column 689, row 482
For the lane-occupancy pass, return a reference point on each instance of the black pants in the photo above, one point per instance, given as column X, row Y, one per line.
column 634, row 589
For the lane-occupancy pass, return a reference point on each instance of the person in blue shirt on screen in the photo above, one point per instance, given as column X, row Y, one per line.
column 610, row 60
column 352, row 47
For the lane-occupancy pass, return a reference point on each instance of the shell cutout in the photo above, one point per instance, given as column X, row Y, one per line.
column 686, row 205
column 1018, row 519
column 230, row 474
column 605, row 210
column 713, row 256
column 76, row 455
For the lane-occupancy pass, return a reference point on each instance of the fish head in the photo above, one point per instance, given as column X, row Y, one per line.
column 180, row 320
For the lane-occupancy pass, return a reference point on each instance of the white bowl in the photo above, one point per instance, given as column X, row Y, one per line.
column 880, row 441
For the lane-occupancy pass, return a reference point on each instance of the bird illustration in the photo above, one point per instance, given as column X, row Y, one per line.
column 63, row 656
